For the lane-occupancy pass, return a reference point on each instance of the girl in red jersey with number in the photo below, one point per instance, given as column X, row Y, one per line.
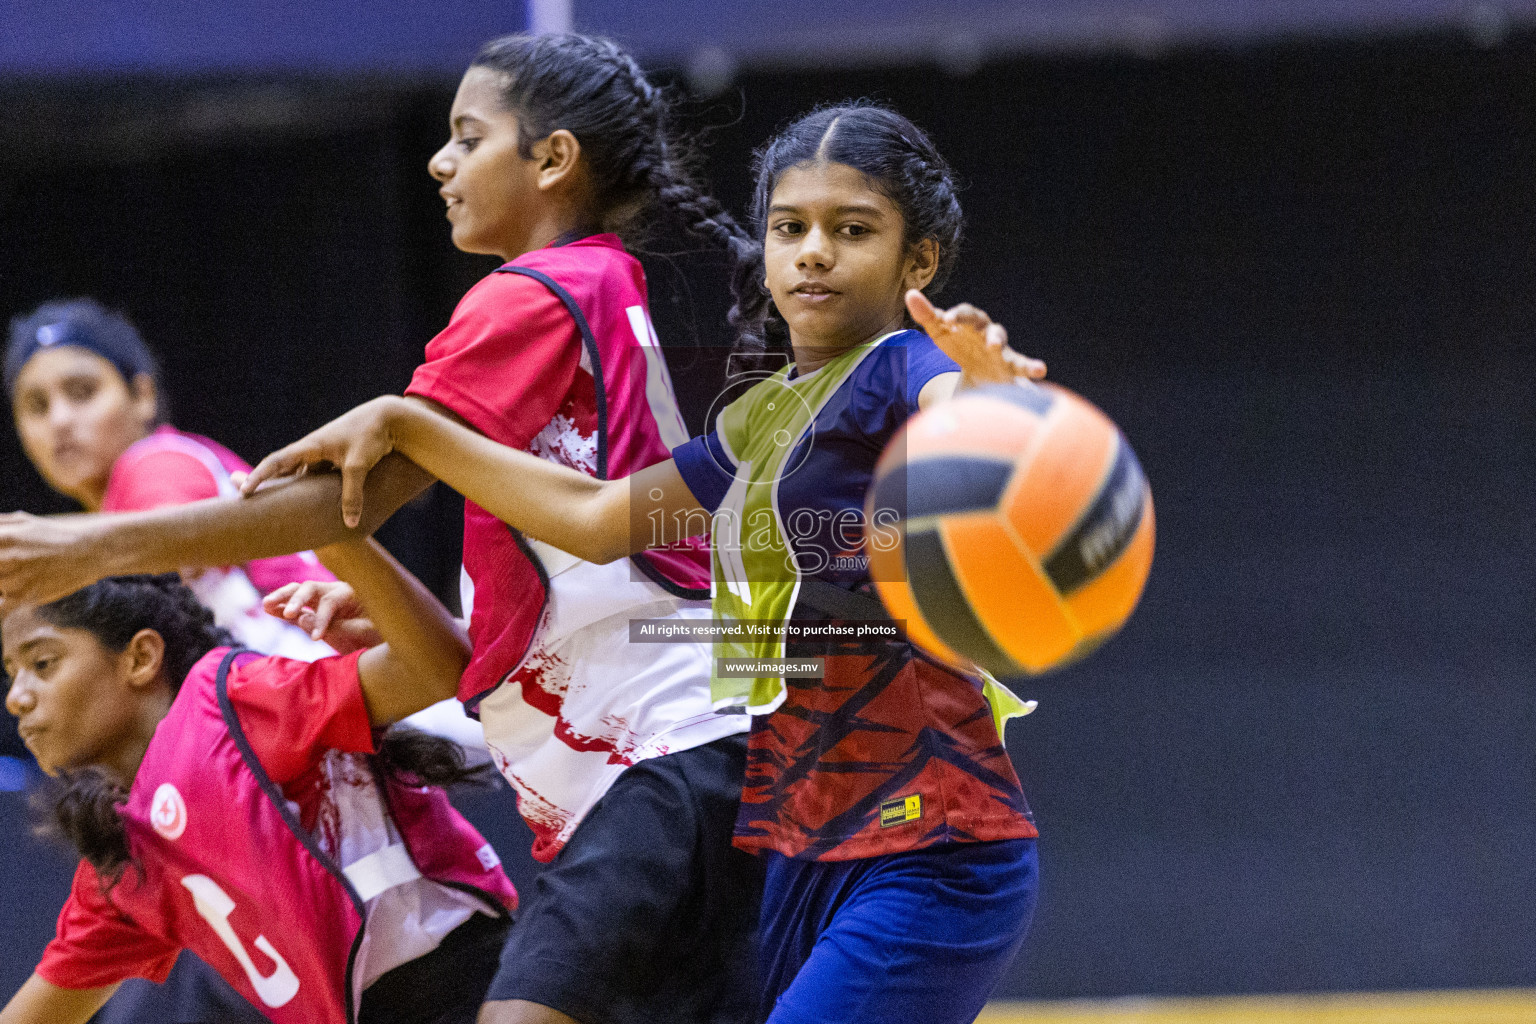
column 239, row 806
column 900, row 856
column 626, row 775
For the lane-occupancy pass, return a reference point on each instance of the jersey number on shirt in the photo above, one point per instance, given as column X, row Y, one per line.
column 215, row 906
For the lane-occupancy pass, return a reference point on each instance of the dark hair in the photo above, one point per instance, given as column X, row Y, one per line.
column 79, row 323
column 86, row 802
column 594, row 90
column 900, row 163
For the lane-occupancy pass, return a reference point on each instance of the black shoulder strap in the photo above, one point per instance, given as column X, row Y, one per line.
column 589, row 341
column 270, row 788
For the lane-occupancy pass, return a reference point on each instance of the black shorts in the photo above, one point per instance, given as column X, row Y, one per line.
column 649, row 914
column 192, row 994
column 446, row 986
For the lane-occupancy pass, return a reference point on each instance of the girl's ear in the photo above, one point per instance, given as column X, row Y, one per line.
column 143, row 659
column 922, row 264
column 146, row 400
column 556, row 156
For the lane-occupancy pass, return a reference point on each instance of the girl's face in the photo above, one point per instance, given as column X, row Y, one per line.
column 71, row 696
column 75, row 415
column 491, row 189
column 837, row 260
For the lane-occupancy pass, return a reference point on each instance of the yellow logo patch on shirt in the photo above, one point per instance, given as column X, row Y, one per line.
column 901, row 810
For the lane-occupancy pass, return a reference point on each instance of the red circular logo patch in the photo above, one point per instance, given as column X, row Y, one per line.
column 168, row 812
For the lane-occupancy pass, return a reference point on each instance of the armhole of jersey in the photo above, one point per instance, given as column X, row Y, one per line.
column 725, row 444
column 268, row 787
column 659, row 578
column 589, row 342
column 472, row 705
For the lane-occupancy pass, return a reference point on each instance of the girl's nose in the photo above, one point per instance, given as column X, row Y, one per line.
column 440, row 166
column 19, row 699
column 813, row 250
column 59, row 413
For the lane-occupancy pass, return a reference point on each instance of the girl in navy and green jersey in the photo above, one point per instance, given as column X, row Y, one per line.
column 899, row 850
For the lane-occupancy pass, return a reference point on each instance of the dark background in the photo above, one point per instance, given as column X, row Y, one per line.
column 1299, row 275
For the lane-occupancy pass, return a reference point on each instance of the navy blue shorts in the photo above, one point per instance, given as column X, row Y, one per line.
column 908, row 938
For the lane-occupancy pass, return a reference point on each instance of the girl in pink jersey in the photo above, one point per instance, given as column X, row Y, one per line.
column 626, row 775
column 85, row 396
column 240, row 806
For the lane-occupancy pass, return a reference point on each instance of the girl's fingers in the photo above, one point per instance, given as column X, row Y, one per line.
column 354, row 475
column 300, row 598
column 923, row 311
column 337, row 599
column 283, row 462
column 967, row 316
column 273, row 603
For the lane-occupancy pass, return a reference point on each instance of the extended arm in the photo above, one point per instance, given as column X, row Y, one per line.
column 424, row 650
column 597, row 520
column 39, row 1002
column 44, row 558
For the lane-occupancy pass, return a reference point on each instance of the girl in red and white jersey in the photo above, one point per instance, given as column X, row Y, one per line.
column 85, row 393
column 240, row 806
column 623, row 769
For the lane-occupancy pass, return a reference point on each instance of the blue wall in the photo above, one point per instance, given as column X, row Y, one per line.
column 61, row 37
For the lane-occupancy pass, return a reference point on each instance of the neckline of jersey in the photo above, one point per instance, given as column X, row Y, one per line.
column 791, row 377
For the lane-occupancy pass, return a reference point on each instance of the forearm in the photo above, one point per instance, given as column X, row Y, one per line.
column 425, row 650
column 291, row 516
column 38, row 1002
column 572, row 511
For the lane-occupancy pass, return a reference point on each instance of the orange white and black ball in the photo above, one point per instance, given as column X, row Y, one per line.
column 1011, row 527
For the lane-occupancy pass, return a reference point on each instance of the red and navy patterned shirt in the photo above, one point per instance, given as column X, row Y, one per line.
column 889, row 751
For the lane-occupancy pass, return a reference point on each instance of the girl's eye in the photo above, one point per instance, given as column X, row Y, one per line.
column 789, row 227
column 856, row 229
column 468, row 144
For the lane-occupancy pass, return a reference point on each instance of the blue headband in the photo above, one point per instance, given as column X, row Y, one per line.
column 81, row 323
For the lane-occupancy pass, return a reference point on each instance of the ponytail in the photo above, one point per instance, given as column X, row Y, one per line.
column 83, row 809
column 417, row 758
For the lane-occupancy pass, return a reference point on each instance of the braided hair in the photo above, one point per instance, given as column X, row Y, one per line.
column 900, row 162
column 636, row 161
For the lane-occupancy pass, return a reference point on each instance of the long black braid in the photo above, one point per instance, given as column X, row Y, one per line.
column 637, row 161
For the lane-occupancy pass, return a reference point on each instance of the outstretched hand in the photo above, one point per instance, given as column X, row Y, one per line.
column 328, row 610
column 969, row 337
column 353, row 443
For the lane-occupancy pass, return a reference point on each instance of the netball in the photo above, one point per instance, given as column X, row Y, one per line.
column 1012, row 527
